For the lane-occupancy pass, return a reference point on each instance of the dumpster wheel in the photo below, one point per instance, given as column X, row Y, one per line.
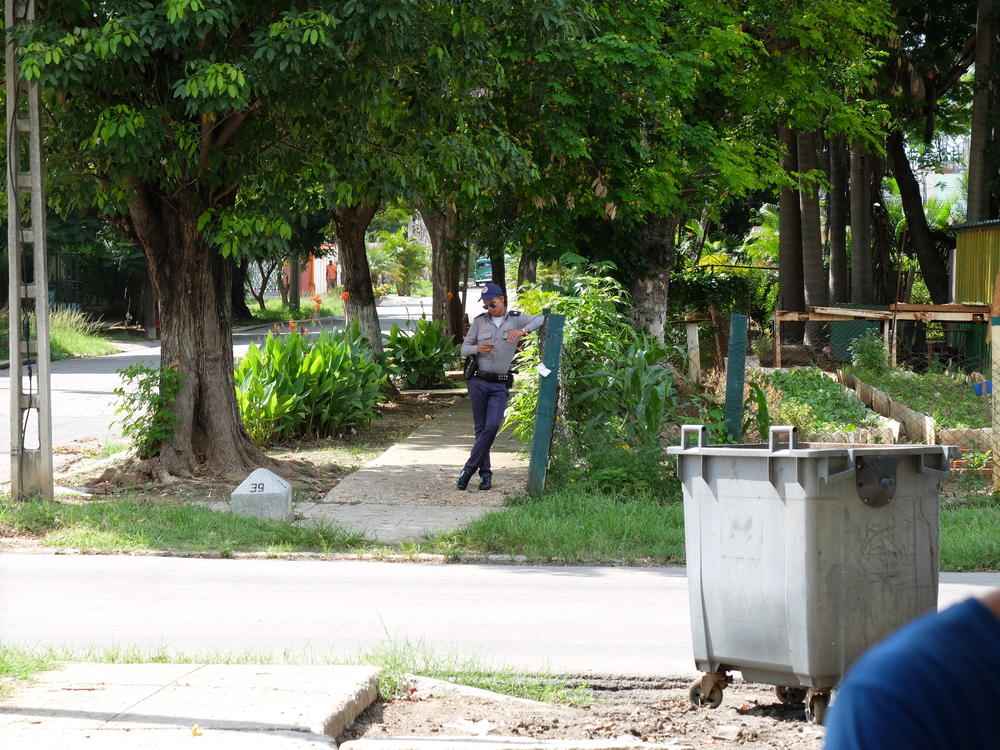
column 790, row 695
column 714, row 699
column 816, row 703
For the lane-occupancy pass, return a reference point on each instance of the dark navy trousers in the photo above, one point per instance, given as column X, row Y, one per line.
column 489, row 400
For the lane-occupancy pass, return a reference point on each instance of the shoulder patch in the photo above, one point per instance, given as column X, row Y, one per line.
column 513, row 313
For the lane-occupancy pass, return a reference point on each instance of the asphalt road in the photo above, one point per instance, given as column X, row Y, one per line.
column 573, row 619
column 601, row 620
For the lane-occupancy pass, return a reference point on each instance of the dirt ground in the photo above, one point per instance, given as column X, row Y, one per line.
column 320, row 464
column 654, row 711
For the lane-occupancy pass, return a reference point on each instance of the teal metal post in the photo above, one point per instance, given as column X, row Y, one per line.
column 541, row 436
column 736, row 375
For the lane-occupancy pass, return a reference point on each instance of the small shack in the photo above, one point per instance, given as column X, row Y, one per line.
column 974, row 271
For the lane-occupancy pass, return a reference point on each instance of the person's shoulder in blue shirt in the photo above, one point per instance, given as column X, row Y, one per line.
column 932, row 684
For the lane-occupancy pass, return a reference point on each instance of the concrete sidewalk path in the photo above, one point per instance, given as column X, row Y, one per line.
column 111, row 706
column 409, row 491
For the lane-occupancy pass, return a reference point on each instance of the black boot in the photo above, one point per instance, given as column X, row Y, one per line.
column 463, row 480
column 486, row 483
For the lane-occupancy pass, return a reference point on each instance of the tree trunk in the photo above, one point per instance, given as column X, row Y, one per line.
column 193, row 285
column 527, row 270
column 837, row 221
column 446, row 267
column 498, row 265
column 862, row 283
column 651, row 285
column 981, row 172
column 932, row 264
column 264, row 269
column 791, row 289
column 813, row 267
column 240, row 309
column 350, row 224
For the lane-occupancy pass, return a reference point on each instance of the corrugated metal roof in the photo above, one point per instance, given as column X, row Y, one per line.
column 976, row 225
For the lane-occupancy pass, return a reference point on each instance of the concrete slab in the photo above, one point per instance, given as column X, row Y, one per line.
column 160, row 705
column 422, row 469
column 392, row 524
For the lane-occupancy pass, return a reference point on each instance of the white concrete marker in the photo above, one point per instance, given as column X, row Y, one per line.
column 265, row 495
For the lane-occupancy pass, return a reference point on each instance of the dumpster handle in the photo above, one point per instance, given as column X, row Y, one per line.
column 793, row 438
column 833, row 476
column 939, row 457
column 690, row 429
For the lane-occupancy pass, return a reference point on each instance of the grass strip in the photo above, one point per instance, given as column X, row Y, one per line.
column 126, row 525
column 21, row 665
column 278, row 312
column 396, row 658
column 66, row 343
column 577, row 524
column 970, row 536
column 572, row 526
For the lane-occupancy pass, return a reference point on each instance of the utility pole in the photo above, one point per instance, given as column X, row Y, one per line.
column 30, row 397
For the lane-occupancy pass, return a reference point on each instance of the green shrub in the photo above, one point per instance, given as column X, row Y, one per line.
column 146, row 402
column 616, row 389
column 814, row 403
column 300, row 387
column 868, row 353
column 419, row 358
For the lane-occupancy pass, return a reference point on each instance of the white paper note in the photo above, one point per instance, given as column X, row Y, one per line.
column 543, row 370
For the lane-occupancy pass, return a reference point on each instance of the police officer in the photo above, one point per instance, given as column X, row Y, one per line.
column 493, row 338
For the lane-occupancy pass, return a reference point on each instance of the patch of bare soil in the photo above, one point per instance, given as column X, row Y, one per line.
column 640, row 709
column 316, row 466
column 11, row 541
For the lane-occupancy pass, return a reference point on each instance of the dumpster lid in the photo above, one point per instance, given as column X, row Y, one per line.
column 792, row 448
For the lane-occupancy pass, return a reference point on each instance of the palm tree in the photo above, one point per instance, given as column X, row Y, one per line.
column 408, row 259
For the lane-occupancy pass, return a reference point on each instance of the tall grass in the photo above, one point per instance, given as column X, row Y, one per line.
column 71, row 334
column 76, row 321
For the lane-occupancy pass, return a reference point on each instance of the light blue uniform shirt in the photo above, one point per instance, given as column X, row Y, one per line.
column 484, row 330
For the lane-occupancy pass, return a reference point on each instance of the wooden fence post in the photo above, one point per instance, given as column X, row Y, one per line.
column 693, row 351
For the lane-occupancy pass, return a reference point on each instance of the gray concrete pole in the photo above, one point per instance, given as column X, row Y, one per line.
column 30, row 401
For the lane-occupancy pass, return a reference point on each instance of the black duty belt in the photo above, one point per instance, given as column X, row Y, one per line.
column 495, row 377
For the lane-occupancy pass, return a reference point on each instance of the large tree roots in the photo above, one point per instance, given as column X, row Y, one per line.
column 136, row 472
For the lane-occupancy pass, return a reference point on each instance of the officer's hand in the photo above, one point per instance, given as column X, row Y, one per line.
column 514, row 334
column 484, row 348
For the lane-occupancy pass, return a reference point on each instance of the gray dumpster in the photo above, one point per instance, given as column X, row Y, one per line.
column 802, row 555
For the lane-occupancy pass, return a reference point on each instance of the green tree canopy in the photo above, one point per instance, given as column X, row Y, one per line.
column 166, row 111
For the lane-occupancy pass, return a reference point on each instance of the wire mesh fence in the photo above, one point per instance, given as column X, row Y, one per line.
column 933, row 387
